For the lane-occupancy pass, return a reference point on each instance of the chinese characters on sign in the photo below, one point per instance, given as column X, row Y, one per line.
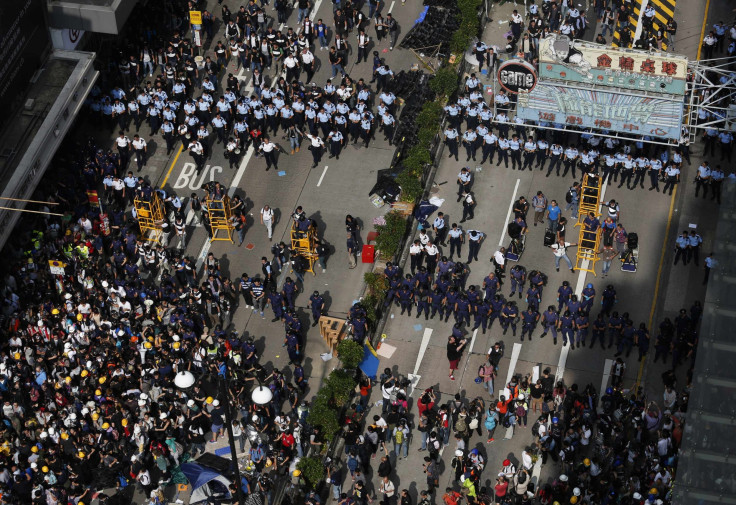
column 559, row 104
column 586, row 62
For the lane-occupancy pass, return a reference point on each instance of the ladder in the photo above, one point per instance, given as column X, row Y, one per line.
column 150, row 215
column 218, row 210
column 588, row 241
column 304, row 244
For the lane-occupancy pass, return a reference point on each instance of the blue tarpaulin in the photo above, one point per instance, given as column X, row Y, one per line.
column 369, row 366
column 422, row 16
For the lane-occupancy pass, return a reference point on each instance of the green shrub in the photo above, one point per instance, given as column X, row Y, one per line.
column 430, row 114
column 458, row 44
column 390, row 234
column 411, row 186
column 313, row 471
column 377, row 284
column 425, row 136
column 444, row 81
column 324, row 415
column 370, row 303
column 350, row 353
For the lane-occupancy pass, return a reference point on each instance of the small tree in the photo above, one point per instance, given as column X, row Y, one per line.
column 350, row 353
column 390, row 234
column 313, row 471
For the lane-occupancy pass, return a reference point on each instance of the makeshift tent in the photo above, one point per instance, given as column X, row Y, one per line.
column 369, row 366
column 205, row 483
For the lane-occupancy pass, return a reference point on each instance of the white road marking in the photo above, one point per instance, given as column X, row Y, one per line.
column 391, row 7
column 241, row 170
column 319, row 183
column 639, row 26
column 512, row 364
column 584, row 264
column 606, row 376
column 423, row 348
column 472, row 342
column 508, row 214
column 203, row 253
column 562, row 361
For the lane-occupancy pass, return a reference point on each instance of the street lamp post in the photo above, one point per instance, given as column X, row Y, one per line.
column 185, row 380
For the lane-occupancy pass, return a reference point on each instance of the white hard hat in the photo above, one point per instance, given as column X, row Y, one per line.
column 176, row 338
column 73, row 416
column 85, row 411
column 216, row 403
column 458, row 453
column 40, row 323
column 576, row 491
column 51, row 431
column 254, row 418
column 67, row 296
column 133, row 457
column 190, row 403
column 563, row 478
column 141, row 403
column 636, row 496
column 43, row 434
column 521, row 396
column 143, row 396
column 162, row 415
column 34, row 465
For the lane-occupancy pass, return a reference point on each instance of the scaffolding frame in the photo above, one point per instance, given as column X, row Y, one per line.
column 219, row 213
column 150, row 214
column 588, row 241
column 304, row 244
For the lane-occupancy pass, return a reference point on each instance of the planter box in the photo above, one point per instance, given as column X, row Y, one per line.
column 404, row 208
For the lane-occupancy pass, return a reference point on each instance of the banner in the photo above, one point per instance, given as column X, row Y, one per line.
column 195, row 18
column 561, row 59
column 591, row 108
column 56, row 267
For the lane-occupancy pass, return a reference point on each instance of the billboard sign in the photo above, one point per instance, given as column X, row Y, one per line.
column 517, row 76
column 603, row 110
column 562, row 59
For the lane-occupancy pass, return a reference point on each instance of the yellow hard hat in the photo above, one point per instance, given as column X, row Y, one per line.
column 177, row 345
column 45, row 469
column 81, row 454
column 296, row 473
column 586, row 462
column 124, row 422
column 147, row 345
column 95, row 415
column 269, row 463
column 573, row 500
column 80, row 317
column 55, row 312
column 150, row 339
column 57, row 385
column 105, row 426
column 85, row 373
column 67, row 379
column 102, row 379
column 653, row 491
column 65, row 436
column 34, row 449
column 16, row 355
column 98, row 392
column 209, row 399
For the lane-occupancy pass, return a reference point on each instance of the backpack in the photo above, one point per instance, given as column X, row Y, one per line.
column 570, row 195
column 460, row 425
column 520, row 411
column 490, row 423
column 399, row 436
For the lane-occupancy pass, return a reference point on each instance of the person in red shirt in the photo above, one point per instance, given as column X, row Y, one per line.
column 501, row 487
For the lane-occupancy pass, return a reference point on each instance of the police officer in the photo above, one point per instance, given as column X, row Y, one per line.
column 481, row 314
column 515, row 152
column 416, row 251
column 437, row 300
column 230, row 152
column 490, row 141
column 388, row 122
column 571, row 160
column 197, row 152
column 627, row 171
column 550, row 319
column 317, row 147
column 581, row 329
column 503, row 150
column 167, row 129
column 599, row 331
column 464, row 182
column 468, row 207
column 405, row 297
column 456, row 240
column 565, row 325
column 431, row 253
column 555, row 153
column 615, row 325
column 140, row 148
column 529, row 323
column 655, row 166
column 451, row 139
column 470, row 141
column 509, row 317
column 497, row 304
column 317, row 305
column 289, row 291
column 716, row 182
column 542, row 152
column 672, row 174
column 440, row 229
column 462, row 309
column 518, row 278
column 530, row 153
column 475, row 238
column 490, row 286
column 695, row 241
column 588, row 297
column 702, row 179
